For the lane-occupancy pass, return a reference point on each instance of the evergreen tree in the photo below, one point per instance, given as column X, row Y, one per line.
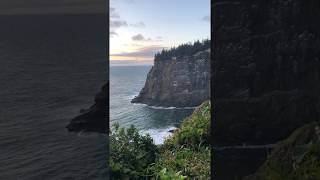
column 187, row 49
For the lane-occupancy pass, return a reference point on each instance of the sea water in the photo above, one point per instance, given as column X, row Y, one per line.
column 51, row 66
column 126, row 81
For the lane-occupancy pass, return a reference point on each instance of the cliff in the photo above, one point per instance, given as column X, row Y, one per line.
column 180, row 81
column 266, row 77
column 95, row 118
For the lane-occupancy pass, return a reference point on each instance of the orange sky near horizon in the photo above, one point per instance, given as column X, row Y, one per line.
column 140, row 29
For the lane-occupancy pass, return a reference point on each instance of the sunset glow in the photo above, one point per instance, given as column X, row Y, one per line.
column 140, row 28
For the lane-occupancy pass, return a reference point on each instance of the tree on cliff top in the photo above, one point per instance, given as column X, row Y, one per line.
column 186, row 49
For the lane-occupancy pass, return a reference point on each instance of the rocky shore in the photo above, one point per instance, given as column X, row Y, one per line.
column 95, row 118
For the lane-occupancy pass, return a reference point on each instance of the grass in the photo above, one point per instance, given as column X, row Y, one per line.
column 187, row 151
column 295, row 158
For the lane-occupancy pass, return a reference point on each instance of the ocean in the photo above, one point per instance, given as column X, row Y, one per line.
column 50, row 67
column 126, row 81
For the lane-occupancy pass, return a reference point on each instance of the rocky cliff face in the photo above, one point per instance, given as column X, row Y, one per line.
column 178, row 81
column 95, row 118
column 266, row 78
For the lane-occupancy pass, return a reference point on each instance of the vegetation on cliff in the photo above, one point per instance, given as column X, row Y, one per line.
column 188, row 151
column 130, row 153
column 295, row 158
column 185, row 154
column 187, row 49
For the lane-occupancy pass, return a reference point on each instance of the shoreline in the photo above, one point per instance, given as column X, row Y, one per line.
column 164, row 107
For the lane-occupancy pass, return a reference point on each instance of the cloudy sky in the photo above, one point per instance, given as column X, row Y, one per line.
column 139, row 28
column 14, row 7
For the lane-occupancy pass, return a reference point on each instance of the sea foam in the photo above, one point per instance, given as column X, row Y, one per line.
column 159, row 135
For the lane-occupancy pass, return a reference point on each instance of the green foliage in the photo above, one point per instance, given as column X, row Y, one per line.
column 184, row 155
column 187, row 151
column 187, row 49
column 189, row 162
column 130, row 153
column 306, row 161
column 164, row 174
column 195, row 131
column 295, row 158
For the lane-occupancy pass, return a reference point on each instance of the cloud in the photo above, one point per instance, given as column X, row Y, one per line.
column 113, row 13
column 140, row 37
column 206, row 18
column 113, row 33
column 138, row 25
column 115, row 22
column 147, row 51
column 118, row 23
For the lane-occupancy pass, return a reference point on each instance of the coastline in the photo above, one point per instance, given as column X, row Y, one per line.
column 161, row 134
column 164, row 107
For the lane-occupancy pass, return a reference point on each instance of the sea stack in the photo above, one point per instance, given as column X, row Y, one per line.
column 180, row 77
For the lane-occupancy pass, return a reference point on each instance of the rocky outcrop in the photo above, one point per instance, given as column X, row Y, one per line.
column 266, row 77
column 178, row 81
column 95, row 118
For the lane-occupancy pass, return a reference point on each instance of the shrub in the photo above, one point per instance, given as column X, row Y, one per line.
column 187, row 151
column 130, row 153
column 186, row 154
column 195, row 130
column 169, row 175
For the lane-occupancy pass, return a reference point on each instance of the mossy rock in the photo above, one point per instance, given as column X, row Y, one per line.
column 295, row 158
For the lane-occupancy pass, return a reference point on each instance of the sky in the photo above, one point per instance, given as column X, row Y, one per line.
column 140, row 28
column 39, row 7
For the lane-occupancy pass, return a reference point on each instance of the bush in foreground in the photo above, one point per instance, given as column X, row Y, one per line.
column 184, row 155
column 131, row 153
column 187, row 151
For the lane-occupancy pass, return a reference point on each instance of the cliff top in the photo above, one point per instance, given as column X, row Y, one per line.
column 187, row 49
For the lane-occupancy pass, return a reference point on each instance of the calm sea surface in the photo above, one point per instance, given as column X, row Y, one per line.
column 50, row 68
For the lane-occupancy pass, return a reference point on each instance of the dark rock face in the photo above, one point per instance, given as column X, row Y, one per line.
column 95, row 118
column 178, row 82
column 266, row 78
